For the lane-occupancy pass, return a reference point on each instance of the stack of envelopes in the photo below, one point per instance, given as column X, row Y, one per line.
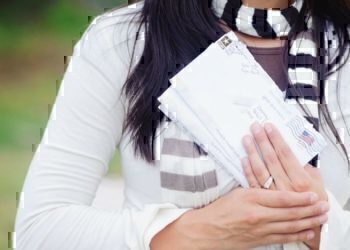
column 221, row 93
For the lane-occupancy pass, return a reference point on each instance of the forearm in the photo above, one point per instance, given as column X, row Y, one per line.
column 171, row 237
column 187, row 232
column 195, row 230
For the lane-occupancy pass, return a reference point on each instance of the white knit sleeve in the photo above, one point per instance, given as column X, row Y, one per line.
column 82, row 133
column 335, row 234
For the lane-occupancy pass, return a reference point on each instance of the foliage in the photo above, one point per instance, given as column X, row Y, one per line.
column 62, row 19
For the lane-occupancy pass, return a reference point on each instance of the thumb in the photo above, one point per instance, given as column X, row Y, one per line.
column 313, row 172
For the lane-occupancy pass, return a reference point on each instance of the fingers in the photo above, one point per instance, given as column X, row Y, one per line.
column 287, row 238
column 252, row 180
column 296, row 213
column 287, row 158
column 296, row 226
column 258, row 166
column 313, row 172
column 248, row 172
column 270, row 158
column 283, row 199
column 315, row 175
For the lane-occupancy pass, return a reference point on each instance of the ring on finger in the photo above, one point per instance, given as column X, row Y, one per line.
column 268, row 182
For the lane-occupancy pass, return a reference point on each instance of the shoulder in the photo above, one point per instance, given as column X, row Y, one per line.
column 118, row 24
column 113, row 31
column 100, row 61
column 105, row 47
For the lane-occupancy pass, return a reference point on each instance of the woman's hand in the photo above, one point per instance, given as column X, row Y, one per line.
column 244, row 219
column 279, row 162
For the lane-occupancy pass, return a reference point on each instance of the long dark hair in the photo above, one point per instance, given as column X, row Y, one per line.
column 179, row 30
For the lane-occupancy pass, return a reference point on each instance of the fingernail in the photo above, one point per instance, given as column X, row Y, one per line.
column 323, row 219
column 313, row 198
column 256, row 128
column 310, row 235
column 324, row 207
column 247, row 140
column 268, row 128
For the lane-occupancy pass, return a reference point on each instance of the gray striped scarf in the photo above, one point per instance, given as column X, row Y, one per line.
column 189, row 178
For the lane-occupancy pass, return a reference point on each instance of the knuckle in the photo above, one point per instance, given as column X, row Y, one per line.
column 288, row 238
column 258, row 171
column 253, row 218
column 301, row 236
column 315, row 222
column 283, row 199
column 250, row 148
column 248, row 172
column 273, row 135
column 259, row 232
column 260, row 138
column 251, row 195
column 294, row 213
column 316, row 210
column 293, row 227
column 283, row 187
column 283, row 151
column 270, row 159
column 283, row 239
column 250, row 219
column 254, row 184
column 301, row 185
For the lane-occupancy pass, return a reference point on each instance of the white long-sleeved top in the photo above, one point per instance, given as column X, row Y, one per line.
column 82, row 134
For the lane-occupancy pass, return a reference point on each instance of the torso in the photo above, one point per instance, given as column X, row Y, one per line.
column 142, row 180
column 269, row 53
column 272, row 61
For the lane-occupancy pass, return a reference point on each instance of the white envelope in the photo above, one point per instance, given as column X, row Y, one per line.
column 221, row 93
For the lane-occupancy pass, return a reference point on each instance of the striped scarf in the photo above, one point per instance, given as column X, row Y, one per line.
column 189, row 178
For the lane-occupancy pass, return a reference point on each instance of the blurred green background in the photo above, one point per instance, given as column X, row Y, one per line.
column 35, row 37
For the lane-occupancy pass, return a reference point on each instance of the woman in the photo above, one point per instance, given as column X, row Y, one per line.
column 108, row 99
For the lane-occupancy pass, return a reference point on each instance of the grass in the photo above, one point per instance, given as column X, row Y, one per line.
column 31, row 69
column 63, row 19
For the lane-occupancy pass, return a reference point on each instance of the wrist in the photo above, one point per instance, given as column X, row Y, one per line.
column 202, row 230
column 180, row 234
column 194, row 230
column 190, row 231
